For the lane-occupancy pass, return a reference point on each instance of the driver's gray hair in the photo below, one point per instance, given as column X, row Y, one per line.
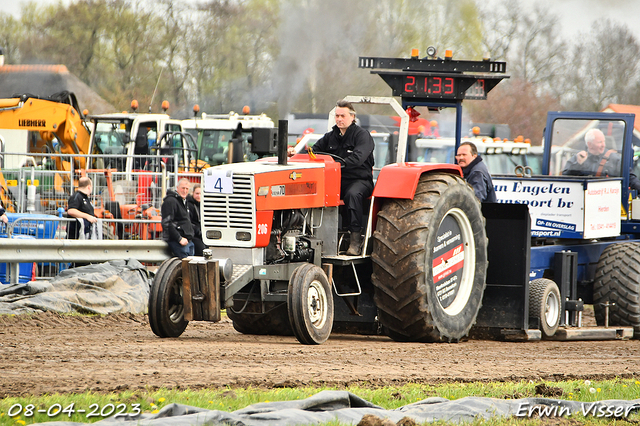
column 590, row 136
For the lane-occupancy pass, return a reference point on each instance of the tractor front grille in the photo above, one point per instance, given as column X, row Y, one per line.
column 230, row 213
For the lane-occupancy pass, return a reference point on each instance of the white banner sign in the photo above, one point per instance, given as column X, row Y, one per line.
column 602, row 209
column 562, row 209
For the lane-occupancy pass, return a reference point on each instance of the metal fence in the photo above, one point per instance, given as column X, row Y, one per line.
column 35, row 193
column 35, row 246
column 32, row 184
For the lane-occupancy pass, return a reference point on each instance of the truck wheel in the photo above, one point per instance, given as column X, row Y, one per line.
column 430, row 261
column 617, row 281
column 310, row 305
column 252, row 320
column 166, row 308
column 544, row 304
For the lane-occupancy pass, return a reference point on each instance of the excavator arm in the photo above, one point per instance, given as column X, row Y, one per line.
column 58, row 115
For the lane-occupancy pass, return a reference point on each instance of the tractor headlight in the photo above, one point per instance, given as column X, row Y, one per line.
column 214, row 235
column 243, row 236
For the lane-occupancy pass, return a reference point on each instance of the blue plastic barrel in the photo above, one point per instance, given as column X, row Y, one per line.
column 24, row 269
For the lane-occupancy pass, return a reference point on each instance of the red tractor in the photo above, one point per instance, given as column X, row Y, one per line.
column 276, row 264
column 436, row 265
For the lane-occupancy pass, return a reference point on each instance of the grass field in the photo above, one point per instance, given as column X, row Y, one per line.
column 57, row 407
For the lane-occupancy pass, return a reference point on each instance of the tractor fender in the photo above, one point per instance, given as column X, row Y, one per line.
column 400, row 180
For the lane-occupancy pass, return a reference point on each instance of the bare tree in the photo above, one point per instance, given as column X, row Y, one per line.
column 540, row 48
column 130, row 54
column 604, row 68
column 500, row 26
column 528, row 40
column 519, row 104
column 10, row 35
column 173, row 54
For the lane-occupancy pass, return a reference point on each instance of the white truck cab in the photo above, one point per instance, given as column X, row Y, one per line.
column 213, row 132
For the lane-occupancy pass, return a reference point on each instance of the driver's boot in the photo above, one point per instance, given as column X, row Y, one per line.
column 355, row 240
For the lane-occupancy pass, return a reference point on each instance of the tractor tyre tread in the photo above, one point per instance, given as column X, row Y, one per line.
column 539, row 289
column 401, row 272
column 617, row 281
column 160, row 298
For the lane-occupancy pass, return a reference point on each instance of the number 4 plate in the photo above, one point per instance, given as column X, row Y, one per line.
column 219, row 181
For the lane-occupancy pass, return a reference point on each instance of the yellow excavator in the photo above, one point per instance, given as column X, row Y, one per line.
column 56, row 120
column 57, row 117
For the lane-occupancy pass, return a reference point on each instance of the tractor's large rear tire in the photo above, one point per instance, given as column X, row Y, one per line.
column 439, row 233
column 166, row 307
column 617, row 281
column 254, row 318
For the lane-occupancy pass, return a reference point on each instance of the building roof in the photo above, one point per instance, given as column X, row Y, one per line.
column 45, row 80
column 629, row 109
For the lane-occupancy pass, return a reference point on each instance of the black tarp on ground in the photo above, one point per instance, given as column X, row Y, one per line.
column 118, row 286
column 345, row 407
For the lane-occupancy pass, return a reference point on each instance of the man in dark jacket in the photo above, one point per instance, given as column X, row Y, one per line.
column 79, row 206
column 352, row 146
column 176, row 221
column 193, row 202
column 475, row 172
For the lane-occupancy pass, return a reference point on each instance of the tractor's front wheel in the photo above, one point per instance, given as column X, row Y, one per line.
column 430, row 261
column 166, row 307
column 310, row 305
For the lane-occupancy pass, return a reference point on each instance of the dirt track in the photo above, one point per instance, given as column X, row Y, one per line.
column 50, row 353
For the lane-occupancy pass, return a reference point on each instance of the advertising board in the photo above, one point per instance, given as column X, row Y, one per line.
column 588, row 208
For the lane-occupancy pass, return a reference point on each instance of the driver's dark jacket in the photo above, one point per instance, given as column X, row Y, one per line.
column 612, row 167
column 355, row 149
column 590, row 166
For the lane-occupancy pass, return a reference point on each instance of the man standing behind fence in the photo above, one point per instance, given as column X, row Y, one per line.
column 177, row 229
column 80, row 207
column 193, row 201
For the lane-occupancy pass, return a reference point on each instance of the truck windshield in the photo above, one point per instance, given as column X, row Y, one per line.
column 111, row 137
column 213, row 145
column 587, row 147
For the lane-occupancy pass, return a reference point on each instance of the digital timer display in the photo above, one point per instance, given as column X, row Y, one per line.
column 430, row 86
column 424, row 85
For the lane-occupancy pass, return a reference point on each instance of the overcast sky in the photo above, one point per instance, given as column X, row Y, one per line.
column 575, row 15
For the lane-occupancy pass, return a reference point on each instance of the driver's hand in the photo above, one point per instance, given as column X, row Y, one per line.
column 581, row 157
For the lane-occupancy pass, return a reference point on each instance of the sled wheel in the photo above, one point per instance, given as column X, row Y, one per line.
column 310, row 305
column 545, row 305
column 166, row 308
column 430, row 261
column 617, row 281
